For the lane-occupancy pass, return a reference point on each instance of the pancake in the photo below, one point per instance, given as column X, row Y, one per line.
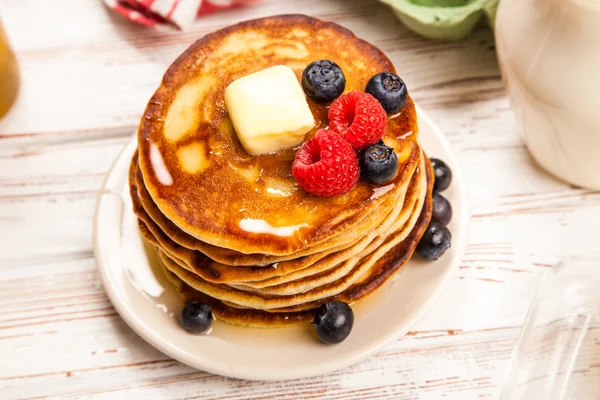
column 283, row 271
column 387, row 266
column 161, row 226
column 357, row 269
column 235, row 316
column 237, row 231
column 201, row 179
column 320, row 273
column 290, row 271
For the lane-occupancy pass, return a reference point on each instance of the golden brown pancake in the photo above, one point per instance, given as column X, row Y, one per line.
column 297, row 277
column 314, row 288
column 351, row 271
column 200, row 177
column 192, row 185
column 323, row 273
column 283, row 271
column 379, row 273
column 160, row 225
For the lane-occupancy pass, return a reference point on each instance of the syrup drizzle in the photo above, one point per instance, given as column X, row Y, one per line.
column 159, row 167
column 278, row 192
column 380, row 191
column 262, row 226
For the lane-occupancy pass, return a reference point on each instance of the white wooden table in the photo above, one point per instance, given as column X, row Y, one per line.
column 86, row 78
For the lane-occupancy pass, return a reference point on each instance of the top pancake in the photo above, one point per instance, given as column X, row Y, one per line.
column 202, row 179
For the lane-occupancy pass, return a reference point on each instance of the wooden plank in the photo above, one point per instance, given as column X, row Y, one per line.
column 126, row 62
column 86, row 78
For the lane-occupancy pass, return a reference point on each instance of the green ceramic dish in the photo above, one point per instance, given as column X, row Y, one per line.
column 443, row 19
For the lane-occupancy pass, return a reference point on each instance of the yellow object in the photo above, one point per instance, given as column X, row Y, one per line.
column 9, row 74
column 269, row 110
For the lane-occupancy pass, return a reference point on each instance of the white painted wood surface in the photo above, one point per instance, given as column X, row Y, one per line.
column 86, row 78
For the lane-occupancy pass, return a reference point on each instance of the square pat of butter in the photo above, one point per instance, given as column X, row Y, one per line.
column 268, row 110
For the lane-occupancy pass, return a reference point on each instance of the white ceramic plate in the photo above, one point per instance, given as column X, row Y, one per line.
column 148, row 303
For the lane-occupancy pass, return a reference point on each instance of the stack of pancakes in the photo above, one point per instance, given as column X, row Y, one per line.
column 237, row 231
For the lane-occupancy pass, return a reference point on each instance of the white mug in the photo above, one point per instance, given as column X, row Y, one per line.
column 549, row 53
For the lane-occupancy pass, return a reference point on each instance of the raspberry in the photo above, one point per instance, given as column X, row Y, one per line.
column 359, row 118
column 326, row 165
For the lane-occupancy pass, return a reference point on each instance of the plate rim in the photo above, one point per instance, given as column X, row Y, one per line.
column 163, row 345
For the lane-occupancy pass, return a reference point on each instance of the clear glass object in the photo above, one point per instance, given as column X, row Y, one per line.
column 9, row 74
column 558, row 354
column 549, row 54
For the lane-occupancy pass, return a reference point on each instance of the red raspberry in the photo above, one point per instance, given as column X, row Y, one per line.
column 359, row 118
column 326, row 165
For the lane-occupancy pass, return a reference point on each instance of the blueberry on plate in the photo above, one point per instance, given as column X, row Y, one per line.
column 435, row 241
column 378, row 163
column 389, row 90
column 442, row 174
column 442, row 210
column 323, row 81
column 333, row 322
column 196, row 317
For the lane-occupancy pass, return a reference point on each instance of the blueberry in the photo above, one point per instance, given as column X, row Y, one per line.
column 333, row 322
column 323, row 81
column 442, row 173
column 389, row 90
column 196, row 317
column 435, row 241
column 442, row 210
column 378, row 163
